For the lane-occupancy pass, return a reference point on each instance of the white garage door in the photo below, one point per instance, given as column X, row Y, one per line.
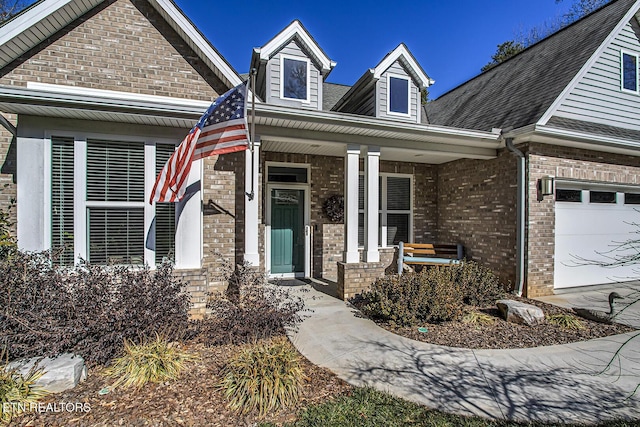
column 590, row 226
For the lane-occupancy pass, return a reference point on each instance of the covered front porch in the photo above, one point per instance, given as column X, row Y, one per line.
column 387, row 174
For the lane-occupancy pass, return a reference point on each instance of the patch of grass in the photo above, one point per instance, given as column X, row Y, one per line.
column 263, row 377
column 478, row 318
column 366, row 407
column 565, row 321
column 18, row 391
column 152, row 361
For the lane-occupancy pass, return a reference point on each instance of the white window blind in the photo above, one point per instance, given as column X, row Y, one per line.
column 394, row 207
column 115, row 202
column 165, row 212
column 62, row 200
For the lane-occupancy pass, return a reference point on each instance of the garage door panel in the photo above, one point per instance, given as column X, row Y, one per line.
column 590, row 231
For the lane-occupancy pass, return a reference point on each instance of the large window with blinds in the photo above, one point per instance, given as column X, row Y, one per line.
column 395, row 209
column 113, row 202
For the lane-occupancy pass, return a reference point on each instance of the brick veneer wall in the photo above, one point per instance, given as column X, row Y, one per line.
column 354, row 278
column 567, row 163
column 119, row 45
column 327, row 179
column 477, row 207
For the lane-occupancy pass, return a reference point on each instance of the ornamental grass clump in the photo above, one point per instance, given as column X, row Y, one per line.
column 565, row 321
column 263, row 377
column 18, row 392
column 478, row 318
column 154, row 361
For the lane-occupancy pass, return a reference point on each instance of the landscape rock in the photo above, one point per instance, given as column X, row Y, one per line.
column 519, row 312
column 61, row 372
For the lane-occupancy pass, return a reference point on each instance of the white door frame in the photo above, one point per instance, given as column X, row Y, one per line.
column 307, row 228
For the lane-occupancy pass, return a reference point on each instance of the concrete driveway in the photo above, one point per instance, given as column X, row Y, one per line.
column 596, row 297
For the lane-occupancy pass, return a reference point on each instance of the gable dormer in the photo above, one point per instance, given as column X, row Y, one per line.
column 391, row 90
column 291, row 68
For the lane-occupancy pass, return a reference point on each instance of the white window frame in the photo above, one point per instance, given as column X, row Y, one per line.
column 384, row 211
column 282, row 77
column 622, row 88
column 81, row 204
column 400, row 77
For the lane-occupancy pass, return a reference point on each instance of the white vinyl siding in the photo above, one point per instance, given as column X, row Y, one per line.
column 398, row 71
column 395, row 209
column 598, row 96
column 274, row 91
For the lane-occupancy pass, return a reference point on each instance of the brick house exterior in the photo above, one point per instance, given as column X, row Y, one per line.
column 126, row 79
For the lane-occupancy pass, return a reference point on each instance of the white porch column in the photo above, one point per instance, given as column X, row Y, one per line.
column 251, row 207
column 351, row 172
column 371, row 206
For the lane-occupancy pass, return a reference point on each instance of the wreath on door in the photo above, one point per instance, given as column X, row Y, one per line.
column 333, row 208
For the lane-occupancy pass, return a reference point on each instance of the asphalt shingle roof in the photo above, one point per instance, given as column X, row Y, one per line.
column 518, row 91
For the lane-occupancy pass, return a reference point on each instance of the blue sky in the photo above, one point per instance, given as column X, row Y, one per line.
column 451, row 39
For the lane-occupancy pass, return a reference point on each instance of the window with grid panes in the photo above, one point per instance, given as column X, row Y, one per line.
column 115, row 202
column 394, row 206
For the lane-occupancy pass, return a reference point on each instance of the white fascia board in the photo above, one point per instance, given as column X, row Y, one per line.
column 402, row 52
column 288, row 33
column 112, row 94
column 570, row 138
column 30, row 18
column 80, row 101
column 345, row 120
column 585, row 68
column 191, row 32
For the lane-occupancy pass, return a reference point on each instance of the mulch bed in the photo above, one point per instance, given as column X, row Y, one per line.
column 504, row 335
column 192, row 400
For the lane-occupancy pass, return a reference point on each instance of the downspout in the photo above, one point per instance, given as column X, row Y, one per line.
column 8, row 126
column 520, row 223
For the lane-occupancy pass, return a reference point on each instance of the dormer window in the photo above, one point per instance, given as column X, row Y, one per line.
column 629, row 77
column 398, row 95
column 294, row 78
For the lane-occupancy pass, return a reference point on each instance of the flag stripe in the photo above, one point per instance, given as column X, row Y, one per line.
column 221, row 129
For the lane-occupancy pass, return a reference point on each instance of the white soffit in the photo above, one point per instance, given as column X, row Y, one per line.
column 37, row 24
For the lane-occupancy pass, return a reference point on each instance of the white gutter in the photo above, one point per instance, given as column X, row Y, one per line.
column 481, row 138
column 570, row 138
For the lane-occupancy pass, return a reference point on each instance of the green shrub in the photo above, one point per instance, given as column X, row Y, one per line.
column 479, row 286
column 565, row 321
column 18, row 392
column 152, row 361
column 435, row 294
column 414, row 298
column 263, row 377
column 89, row 309
column 249, row 310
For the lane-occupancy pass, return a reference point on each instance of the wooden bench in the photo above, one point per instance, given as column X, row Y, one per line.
column 428, row 254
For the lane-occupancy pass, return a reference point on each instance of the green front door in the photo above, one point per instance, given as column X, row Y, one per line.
column 287, row 231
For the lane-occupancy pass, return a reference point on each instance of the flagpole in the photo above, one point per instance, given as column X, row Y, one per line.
column 253, row 128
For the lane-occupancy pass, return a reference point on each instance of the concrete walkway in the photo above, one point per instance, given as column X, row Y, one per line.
column 564, row 383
